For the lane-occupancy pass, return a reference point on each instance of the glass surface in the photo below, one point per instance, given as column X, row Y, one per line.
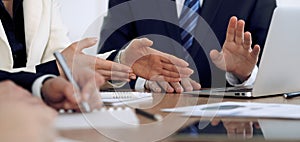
column 240, row 130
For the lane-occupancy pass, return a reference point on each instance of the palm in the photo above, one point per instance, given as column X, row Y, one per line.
column 237, row 56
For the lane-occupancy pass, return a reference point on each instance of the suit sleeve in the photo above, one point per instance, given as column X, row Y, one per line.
column 23, row 79
column 114, row 34
column 48, row 68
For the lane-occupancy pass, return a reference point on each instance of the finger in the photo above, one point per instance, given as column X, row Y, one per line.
column 239, row 35
column 231, row 133
column 139, row 43
column 152, row 85
column 70, row 106
column 255, row 51
column 186, row 84
column 231, row 29
column 113, row 75
column 69, row 92
column 164, row 78
column 171, row 79
column 249, row 131
column 85, row 43
column 240, row 131
column 177, row 86
column 182, row 71
column 109, row 65
column 92, row 86
column 248, row 41
column 215, row 122
column 166, row 86
column 196, row 85
column 218, row 59
column 215, row 55
column 167, row 58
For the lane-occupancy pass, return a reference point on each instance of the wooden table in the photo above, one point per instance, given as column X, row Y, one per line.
column 162, row 131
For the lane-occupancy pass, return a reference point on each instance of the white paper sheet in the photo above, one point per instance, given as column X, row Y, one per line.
column 241, row 109
column 111, row 118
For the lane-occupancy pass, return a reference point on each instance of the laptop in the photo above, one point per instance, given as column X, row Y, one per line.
column 279, row 70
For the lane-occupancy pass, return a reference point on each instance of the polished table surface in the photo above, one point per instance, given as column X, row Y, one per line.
column 150, row 130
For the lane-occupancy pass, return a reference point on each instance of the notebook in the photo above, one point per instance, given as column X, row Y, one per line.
column 124, row 98
column 103, row 118
column 278, row 71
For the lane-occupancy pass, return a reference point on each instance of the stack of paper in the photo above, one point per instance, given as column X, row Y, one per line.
column 124, row 98
column 104, row 118
column 240, row 109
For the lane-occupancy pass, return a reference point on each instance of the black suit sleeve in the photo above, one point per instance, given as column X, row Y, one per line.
column 115, row 35
column 23, row 79
column 48, row 68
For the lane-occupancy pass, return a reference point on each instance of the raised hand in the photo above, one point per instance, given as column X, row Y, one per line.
column 237, row 56
column 110, row 70
column 152, row 64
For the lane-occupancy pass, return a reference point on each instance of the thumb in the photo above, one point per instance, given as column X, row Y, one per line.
column 138, row 43
column 215, row 56
column 86, row 43
column 217, row 59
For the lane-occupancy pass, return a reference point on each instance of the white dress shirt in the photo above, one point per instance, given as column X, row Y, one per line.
column 232, row 79
column 179, row 6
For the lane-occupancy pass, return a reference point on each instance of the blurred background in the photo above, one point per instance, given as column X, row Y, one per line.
column 79, row 17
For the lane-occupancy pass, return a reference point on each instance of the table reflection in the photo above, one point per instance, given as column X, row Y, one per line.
column 241, row 129
column 224, row 127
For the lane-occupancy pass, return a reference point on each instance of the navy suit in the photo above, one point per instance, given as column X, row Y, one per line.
column 150, row 18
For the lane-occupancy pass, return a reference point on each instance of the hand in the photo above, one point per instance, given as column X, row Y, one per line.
column 152, row 64
column 23, row 116
column 75, row 59
column 186, row 84
column 8, row 88
column 60, row 94
column 236, row 129
column 237, row 56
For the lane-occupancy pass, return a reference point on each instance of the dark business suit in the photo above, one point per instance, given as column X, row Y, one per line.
column 144, row 14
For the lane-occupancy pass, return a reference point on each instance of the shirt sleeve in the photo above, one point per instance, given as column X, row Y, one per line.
column 234, row 81
column 38, row 83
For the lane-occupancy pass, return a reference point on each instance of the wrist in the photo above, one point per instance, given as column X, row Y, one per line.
column 39, row 84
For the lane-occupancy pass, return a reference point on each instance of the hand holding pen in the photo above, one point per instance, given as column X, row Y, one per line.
column 86, row 85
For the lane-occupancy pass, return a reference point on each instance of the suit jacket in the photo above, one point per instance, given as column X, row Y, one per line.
column 44, row 34
column 158, row 20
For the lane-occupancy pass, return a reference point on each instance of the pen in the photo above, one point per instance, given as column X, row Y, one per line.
column 291, row 95
column 62, row 62
column 156, row 117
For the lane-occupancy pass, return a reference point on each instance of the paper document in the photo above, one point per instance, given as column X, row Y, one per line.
column 241, row 109
column 123, row 98
column 104, row 118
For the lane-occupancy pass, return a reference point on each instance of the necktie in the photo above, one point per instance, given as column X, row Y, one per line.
column 188, row 21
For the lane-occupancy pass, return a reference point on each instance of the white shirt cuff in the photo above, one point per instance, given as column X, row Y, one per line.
column 140, row 84
column 234, row 81
column 37, row 85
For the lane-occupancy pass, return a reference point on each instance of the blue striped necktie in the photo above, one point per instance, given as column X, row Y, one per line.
column 188, row 21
